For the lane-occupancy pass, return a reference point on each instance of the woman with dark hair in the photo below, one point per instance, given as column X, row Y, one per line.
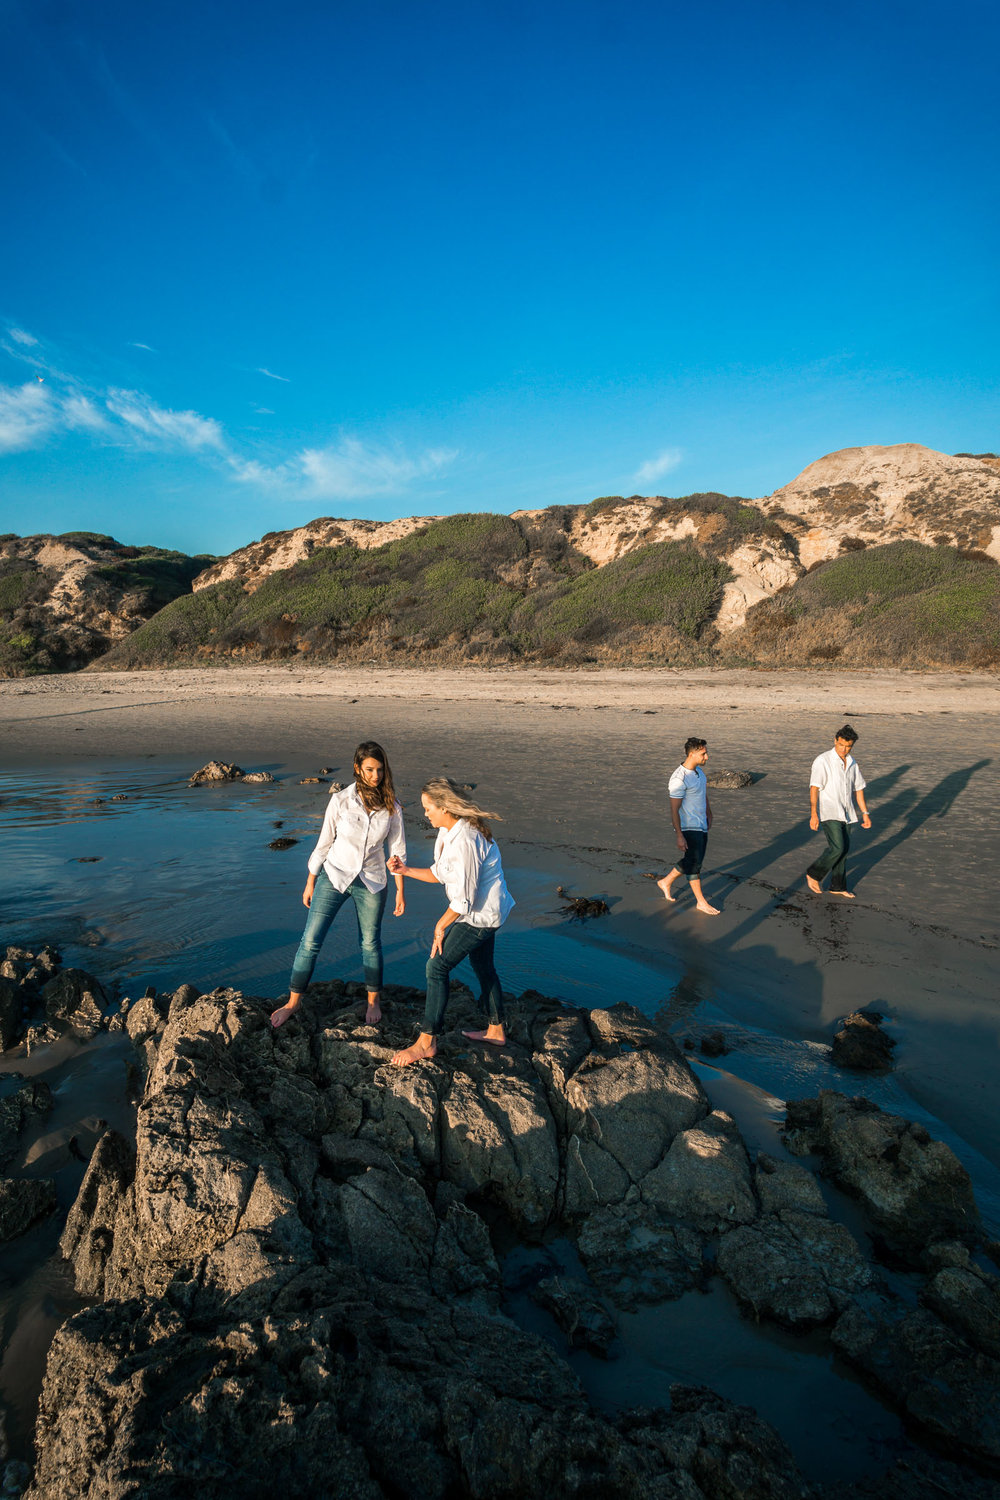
column 467, row 863
column 348, row 863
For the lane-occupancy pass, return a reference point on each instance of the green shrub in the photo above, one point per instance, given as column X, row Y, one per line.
column 669, row 583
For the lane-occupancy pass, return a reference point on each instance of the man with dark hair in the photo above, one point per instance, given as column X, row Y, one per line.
column 691, row 816
column 834, row 785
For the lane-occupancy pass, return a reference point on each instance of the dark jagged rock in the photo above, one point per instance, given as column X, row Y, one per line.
column 799, row 1269
column 941, row 1383
column 23, row 1201
column 729, row 781
column 582, row 1317
column 919, row 1476
column 861, row 1044
column 75, row 1001
column 915, row 1188
column 704, row 1179
column 11, row 1013
column 16, row 1109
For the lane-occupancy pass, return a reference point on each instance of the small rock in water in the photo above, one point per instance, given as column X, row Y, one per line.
column 278, row 823
column 584, row 1320
column 282, row 843
column 729, row 781
column 90, row 859
column 327, row 770
column 582, row 907
column 860, row 1043
column 311, row 781
column 713, row 1044
column 119, row 797
column 336, row 786
column 258, row 778
column 15, row 1477
column 216, row 770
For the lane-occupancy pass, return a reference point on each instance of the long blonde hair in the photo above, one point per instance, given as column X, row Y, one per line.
column 445, row 794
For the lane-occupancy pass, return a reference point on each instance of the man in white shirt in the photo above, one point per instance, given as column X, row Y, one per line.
column 835, row 783
column 691, row 816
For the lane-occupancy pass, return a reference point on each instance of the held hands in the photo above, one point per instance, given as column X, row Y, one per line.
column 395, row 866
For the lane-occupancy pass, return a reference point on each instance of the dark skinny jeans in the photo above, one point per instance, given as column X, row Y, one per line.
column 326, row 903
column 834, row 858
column 476, row 944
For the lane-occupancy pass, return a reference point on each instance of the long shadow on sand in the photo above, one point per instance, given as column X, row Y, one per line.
column 912, row 813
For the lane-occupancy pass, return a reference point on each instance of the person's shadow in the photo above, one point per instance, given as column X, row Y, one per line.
column 937, row 803
column 800, row 834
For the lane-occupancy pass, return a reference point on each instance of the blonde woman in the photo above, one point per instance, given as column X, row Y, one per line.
column 348, row 864
column 467, row 863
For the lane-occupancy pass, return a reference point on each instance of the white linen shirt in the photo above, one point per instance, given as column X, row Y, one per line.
column 352, row 841
column 470, row 869
column 837, row 780
column 692, row 787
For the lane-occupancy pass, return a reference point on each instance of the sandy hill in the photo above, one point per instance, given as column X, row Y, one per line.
column 66, row 599
column 816, row 571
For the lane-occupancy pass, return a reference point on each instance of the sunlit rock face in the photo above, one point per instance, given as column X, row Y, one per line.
column 884, row 494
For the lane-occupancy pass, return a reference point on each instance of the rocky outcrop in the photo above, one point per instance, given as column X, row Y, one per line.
column 914, row 1188
column 42, row 1000
column 224, row 770
column 301, row 1296
column 875, row 495
column 300, row 1289
column 250, row 565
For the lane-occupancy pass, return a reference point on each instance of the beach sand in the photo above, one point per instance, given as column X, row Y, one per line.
column 577, row 763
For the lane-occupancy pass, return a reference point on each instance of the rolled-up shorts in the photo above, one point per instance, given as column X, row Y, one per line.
column 697, row 843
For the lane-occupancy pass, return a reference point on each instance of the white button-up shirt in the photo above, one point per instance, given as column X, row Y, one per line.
column 352, row 841
column 837, row 780
column 470, row 869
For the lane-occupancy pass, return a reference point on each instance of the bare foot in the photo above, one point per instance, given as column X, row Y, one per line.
column 710, row 911
column 424, row 1046
column 373, row 1014
column 280, row 1016
column 814, row 886
column 848, row 894
column 664, row 886
column 495, row 1035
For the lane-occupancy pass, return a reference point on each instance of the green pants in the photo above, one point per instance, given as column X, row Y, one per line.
column 834, row 860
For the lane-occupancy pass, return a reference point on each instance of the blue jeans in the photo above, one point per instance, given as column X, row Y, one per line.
column 326, row 903
column 476, row 944
column 834, row 857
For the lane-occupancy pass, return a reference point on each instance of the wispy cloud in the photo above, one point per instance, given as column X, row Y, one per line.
column 159, row 426
column 271, row 375
column 134, row 344
column 56, row 403
column 27, row 415
column 348, row 470
column 655, row 468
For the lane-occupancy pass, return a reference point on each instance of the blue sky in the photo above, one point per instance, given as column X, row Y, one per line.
column 262, row 263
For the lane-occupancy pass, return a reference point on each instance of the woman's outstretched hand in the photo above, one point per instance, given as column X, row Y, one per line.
column 395, row 865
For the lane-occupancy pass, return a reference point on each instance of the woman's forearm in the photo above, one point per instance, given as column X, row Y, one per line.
column 426, row 876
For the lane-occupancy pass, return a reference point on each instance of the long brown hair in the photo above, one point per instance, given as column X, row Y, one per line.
column 445, row 794
column 378, row 797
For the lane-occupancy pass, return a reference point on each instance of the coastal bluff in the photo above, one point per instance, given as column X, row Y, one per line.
column 297, row 1287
